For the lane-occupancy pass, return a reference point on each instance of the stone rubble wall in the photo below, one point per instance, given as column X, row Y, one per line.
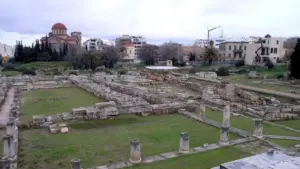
column 11, row 137
column 105, row 92
column 181, row 83
column 4, row 86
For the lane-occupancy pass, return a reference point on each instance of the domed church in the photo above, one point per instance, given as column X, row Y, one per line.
column 58, row 38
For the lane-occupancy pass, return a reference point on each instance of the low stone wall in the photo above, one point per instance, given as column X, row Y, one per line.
column 11, row 137
column 105, row 92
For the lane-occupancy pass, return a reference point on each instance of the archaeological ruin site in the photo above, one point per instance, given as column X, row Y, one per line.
column 135, row 121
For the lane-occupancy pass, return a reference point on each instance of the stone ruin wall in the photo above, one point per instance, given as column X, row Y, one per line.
column 11, row 137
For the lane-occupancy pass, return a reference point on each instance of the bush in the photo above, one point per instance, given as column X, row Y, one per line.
column 239, row 63
column 8, row 67
column 27, row 72
column 122, row 72
column 270, row 65
column 73, row 73
column 280, row 76
column 223, row 71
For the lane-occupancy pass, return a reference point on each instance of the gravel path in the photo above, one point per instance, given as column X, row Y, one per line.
column 4, row 114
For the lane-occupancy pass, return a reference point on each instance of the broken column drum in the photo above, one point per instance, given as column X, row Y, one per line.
column 258, row 130
column 226, row 116
column 202, row 110
column 76, row 163
column 184, row 143
column 224, row 136
column 135, row 152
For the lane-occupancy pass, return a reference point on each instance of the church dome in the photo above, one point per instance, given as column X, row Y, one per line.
column 59, row 26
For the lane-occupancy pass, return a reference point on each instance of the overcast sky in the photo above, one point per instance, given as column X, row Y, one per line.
column 158, row 20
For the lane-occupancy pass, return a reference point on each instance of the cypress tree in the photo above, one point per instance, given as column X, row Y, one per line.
column 295, row 61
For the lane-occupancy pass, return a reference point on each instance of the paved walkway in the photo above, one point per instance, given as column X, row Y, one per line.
column 4, row 114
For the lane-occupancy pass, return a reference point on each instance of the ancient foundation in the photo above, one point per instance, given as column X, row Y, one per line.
column 258, row 130
column 224, row 136
column 184, row 143
column 135, row 152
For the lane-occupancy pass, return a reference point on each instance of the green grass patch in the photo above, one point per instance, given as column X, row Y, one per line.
column 37, row 65
column 11, row 73
column 248, row 125
column 108, row 141
column 290, row 123
column 54, row 101
column 204, row 160
column 285, row 143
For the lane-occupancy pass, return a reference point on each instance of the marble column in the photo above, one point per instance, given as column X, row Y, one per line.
column 226, row 115
column 224, row 136
column 76, row 163
column 8, row 146
column 135, row 152
column 184, row 143
column 258, row 130
column 10, row 127
column 202, row 111
column 4, row 164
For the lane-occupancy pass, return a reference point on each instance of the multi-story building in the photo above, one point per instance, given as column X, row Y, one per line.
column 269, row 48
column 6, row 51
column 204, row 42
column 132, row 45
column 233, row 50
column 95, row 44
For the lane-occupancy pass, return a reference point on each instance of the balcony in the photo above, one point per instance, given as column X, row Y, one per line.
column 238, row 50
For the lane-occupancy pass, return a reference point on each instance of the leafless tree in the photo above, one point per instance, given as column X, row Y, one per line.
column 149, row 54
column 170, row 50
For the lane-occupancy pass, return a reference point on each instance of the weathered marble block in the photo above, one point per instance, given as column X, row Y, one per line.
column 135, row 152
column 38, row 119
column 258, row 130
column 105, row 104
column 67, row 116
column 184, row 143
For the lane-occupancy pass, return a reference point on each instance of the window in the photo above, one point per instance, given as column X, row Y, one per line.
column 268, row 42
column 271, row 50
column 244, row 55
column 275, row 50
column 277, row 42
column 229, row 55
column 274, row 57
column 240, row 47
column 234, row 47
column 229, row 47
column 4, row 48
column 267, row 51
column 245, row 47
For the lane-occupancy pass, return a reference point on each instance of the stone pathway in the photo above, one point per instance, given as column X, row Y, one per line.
column 4, row 114
column 169, row 155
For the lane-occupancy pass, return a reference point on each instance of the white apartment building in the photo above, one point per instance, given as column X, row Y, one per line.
column 94, row 44
column 271, row 49
column 138, row 42
column 6, row 50
column 204, row 42
column 233, row 50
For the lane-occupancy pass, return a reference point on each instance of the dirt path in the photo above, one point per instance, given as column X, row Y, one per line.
column 4, row 114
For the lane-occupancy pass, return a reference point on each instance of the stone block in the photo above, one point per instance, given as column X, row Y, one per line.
column 64, row 130
column 38, row 119
column 105, row 104
column 67, row 116
column 62, row 125
column 53, row 130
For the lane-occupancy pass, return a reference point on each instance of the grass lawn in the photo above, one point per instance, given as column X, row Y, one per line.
column 291, row 123
column 204, row 160
column 101, row 142
column 248, row 125
column 37, row 65
column 53, row 101
column 244, row 80
column 11, row 73
column 285, row 143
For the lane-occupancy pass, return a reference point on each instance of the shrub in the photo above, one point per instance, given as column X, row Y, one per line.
column 239, row 63
column 8, row 67
column 73, row 73
column 280, row 76
column 223, row 71
column 270, row 65
column 122, row 72
column 27, row 72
